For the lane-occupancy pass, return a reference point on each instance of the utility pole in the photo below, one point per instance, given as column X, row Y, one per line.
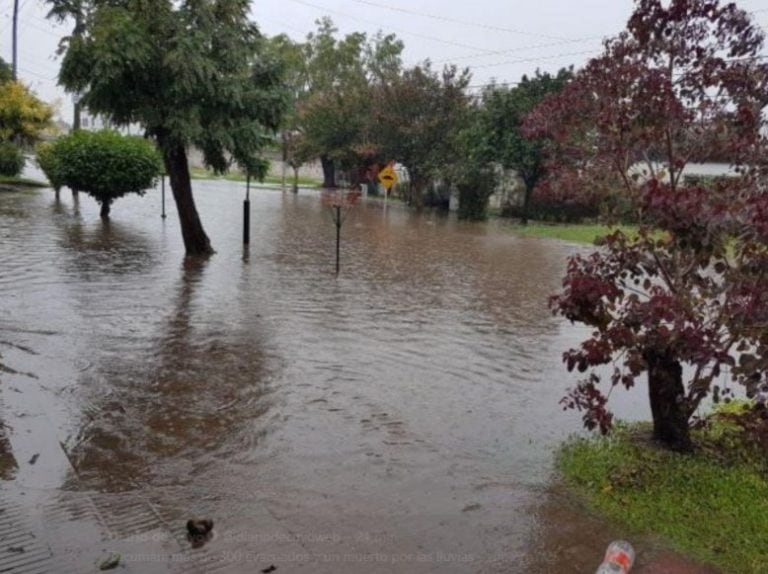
column 76, row 99
column 15, row 40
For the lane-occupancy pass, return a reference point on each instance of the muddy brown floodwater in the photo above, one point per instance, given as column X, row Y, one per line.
column 399, row 418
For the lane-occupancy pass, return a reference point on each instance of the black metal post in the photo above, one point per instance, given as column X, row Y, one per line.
column 247, row 212
column 338, row 239
column 162, row 191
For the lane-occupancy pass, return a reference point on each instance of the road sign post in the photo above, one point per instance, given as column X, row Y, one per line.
column 340, row 202
column 388, row 178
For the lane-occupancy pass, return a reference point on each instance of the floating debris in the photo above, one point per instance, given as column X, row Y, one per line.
column 110, row 562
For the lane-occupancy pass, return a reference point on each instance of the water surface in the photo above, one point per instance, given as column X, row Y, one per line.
column 403, row 412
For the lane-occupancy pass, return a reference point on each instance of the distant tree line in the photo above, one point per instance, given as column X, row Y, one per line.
column 354, row 107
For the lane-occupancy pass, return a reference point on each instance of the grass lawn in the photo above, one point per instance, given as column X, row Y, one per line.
column 712, row 510
column 577, row 232
column 20, row 182
column 198, row 173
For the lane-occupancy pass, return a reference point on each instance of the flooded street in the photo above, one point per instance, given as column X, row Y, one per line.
column 399, row 418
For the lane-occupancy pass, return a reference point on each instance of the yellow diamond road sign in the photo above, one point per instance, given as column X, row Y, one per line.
column 388, row 177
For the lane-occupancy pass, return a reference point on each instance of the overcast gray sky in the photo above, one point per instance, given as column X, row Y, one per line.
column 497, row 39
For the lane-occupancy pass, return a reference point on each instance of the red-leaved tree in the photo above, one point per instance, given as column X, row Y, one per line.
column 685, row 300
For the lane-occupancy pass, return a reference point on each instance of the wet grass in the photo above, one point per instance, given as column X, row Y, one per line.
column 711, row 507
column 14, row 183
column 577, row 233
column 198, row 173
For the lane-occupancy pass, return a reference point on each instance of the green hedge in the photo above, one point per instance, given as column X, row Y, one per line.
column 11, row 160
column 48, row 162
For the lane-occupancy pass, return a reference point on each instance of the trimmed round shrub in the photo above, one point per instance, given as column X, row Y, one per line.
column 106, row 165
column 48, row 162
column 11, row 160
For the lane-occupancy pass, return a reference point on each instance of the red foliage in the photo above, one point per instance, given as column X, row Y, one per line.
column 682, row 83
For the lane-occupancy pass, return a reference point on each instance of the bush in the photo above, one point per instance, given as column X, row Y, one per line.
column 48, row 162
column 475, row 188
column 11, row 160
column 105, row 165
column 554, row 211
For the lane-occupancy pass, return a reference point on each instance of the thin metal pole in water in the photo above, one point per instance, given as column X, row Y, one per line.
column 162, row 192
column 338, row 239
column 247, row 211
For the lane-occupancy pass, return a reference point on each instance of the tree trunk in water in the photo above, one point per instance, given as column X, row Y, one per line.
column 105, row 205
column 667, row 394
column 526, row 203
column 295, row 180
column 329, row 172
column 416, row 198
column 196, row 242
column 283, row 170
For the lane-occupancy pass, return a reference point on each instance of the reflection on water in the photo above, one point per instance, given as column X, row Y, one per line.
column 415, row 397
column 175, row 408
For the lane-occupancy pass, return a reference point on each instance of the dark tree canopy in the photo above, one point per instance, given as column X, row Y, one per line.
column 686, row 79
column 499, row 121
column 191, row 73
column 419, row 118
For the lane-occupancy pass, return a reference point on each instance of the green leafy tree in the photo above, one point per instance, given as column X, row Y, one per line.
column 193, row 73
column 6, row 72
column 499, row 122
column 77, row 11
column 333, row 80
column 419, row 118
column 332, row 111
column 104, row 164
column 290, row 55
column 23, row 116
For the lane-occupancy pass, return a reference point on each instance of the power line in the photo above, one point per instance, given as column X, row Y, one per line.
column 36, row 74
column 10, row 20
column 457, row 21
column 539, row 59
column 282, row 24
column 494, row 83
column 520, row 49
column 422, row 36
column 28, row 24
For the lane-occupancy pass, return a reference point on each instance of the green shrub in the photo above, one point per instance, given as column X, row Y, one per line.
column 106, row 165
column 48, row 162
column 11, row 160
column 475, row 188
